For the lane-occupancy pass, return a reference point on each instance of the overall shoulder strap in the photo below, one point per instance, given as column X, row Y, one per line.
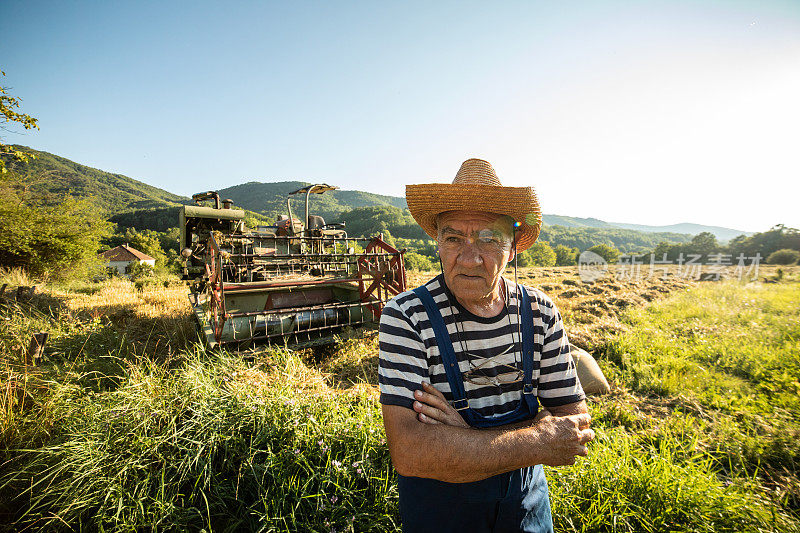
column 528, row 328
column 445, row 351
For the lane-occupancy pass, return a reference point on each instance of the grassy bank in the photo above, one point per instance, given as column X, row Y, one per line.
column 128, row 425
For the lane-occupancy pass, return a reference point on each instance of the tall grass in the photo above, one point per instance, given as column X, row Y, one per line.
column 218, row 444
column 627, row 485
column 16, row 277
column 721, row 361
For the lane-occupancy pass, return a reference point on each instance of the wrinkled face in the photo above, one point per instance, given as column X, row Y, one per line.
column 475, row 247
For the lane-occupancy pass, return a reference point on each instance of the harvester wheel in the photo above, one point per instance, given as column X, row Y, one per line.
column 216, row 310
column 216, row 307
column 380, row 278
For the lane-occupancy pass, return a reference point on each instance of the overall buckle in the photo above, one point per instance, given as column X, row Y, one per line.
column 527, row 388
column 463, row 402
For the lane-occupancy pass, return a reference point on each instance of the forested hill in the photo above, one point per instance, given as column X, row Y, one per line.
column 131, row 203
column 270, row 199
column 50, row 176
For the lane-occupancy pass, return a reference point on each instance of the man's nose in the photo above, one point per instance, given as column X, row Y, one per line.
column 469, row 254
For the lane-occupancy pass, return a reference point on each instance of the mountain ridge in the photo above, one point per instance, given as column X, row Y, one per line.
column 123, row 198
column 50, row 176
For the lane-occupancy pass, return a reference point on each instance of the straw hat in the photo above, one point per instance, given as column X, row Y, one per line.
column 476, row 187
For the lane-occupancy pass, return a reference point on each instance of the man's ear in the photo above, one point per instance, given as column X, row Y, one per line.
column 512, row 253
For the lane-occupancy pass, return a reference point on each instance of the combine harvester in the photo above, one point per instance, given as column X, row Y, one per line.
column 297, row 283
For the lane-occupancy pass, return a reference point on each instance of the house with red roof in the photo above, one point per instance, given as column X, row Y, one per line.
column 122, row 257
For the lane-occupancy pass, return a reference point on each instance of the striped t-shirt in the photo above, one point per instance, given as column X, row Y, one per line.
column 409, row 353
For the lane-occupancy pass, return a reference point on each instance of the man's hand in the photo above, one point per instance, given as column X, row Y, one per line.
column 564, row 437
column 432, row 408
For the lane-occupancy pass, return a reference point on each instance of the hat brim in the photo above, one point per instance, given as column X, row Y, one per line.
column 427, row 200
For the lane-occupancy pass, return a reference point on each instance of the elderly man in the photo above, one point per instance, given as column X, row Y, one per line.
column 465, row 362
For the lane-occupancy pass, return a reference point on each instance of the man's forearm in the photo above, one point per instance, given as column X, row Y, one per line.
column 460, row 455
column 561, row 410
column 569, row 409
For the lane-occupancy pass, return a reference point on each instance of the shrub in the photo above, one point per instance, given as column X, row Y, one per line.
column 415, row 261
column 139, row 270
column 609, row 253
column 785, row 256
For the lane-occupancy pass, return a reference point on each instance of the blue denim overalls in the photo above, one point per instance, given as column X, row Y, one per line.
column 513, row 501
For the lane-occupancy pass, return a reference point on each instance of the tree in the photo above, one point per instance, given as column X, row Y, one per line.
column 253, row 220
column 152, row 243
column 539, row 254
column 609, row 253
column 8, row 104
column 388, row 238
column 139, row 271
column 59, row 241
column 663, row 248
column 369, row 221
column 565, row 256
column 704, row 243
column 415, row 261
column 776, row 238
column 147, row 241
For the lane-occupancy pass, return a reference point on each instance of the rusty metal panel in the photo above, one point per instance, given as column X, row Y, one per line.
column 281, row 300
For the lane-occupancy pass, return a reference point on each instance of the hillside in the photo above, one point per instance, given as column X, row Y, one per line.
column 722, row 234
column 270, row 200
column 127, row 202
column 50, row 176
column 574, row 222
column 625, row 240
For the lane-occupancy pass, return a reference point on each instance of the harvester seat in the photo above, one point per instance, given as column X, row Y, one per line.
column 315, row 222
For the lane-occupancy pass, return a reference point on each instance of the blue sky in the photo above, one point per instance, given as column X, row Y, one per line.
column 643, row 112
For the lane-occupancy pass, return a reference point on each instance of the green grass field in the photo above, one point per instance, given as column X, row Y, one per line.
column 130, row 426
column 702, row 433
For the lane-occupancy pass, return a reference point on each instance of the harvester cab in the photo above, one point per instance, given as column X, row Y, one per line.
column 296, row 282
